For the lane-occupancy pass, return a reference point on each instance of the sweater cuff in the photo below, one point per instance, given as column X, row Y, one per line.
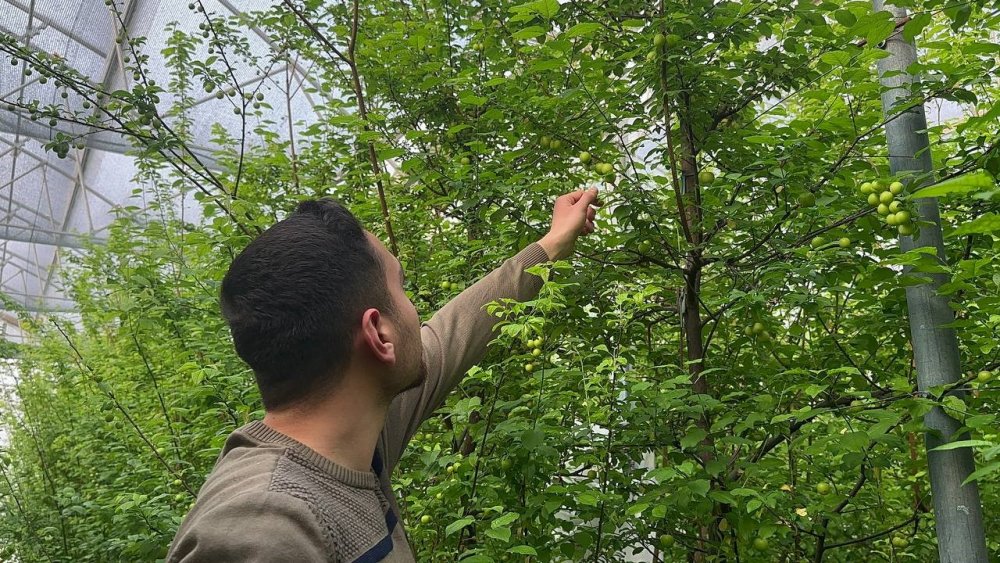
column 532, row 255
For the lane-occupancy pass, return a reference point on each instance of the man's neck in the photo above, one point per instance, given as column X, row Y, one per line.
column 343, row 429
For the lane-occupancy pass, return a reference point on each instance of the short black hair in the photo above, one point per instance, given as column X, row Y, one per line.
column 293, row 298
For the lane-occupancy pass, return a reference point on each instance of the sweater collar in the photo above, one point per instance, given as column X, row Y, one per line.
column 359, row 479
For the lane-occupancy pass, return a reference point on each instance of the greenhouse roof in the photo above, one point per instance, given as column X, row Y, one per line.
column 53, row 205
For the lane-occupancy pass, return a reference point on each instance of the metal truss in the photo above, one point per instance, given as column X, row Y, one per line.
column 36, row 232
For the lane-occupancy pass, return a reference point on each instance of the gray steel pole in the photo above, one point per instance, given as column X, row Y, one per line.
column 958, row 513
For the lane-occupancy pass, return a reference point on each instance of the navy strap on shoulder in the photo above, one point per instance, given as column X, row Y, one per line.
column 384, row 546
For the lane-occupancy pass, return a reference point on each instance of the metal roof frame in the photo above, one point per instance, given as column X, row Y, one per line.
column 51, row 206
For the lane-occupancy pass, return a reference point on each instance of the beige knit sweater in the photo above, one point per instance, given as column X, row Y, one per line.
column 272, row 499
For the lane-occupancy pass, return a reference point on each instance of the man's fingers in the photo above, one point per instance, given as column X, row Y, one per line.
column 591, row 213
column 573, row 197
column 588, row 197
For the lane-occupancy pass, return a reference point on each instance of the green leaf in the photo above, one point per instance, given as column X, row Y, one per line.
column 954, row 407
column 470, row 99
column 966, row 183
column 589, row 498
column 637, row 508
column 532, row 438
column 982, row 471
column 722, row 496
column 529, row 32
column 962, row 444
column 548, row 64
column 813, row 390
column 693, row 437
column 917, row 23
column 875, row 28
column 836, row 58
column 761, row 139
column 987, row 223
column 700, row 486
column 502, row 534
column 582, row 29
column 959, row 15
column 546, row 8
column 523, row 550
column 458, row 525
column 505, row 520
column 845, row 18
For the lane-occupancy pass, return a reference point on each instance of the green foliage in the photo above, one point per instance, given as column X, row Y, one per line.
column 701, row 368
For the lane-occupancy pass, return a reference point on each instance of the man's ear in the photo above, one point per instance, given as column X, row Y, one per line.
column 377, row 335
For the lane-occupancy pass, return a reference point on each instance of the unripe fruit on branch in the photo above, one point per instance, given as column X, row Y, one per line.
column 706, row 177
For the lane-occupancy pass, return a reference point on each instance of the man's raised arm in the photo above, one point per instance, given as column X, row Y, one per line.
column 456, row 337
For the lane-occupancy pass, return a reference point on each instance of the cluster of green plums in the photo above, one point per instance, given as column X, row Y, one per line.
column 759, row 330
column 535, row 349
column 662, row 42
column 603, row 168
column 449, row 285
column 894, row 212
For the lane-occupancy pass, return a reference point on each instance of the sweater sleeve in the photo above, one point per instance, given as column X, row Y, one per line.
column 253, row 527
column 454, row 340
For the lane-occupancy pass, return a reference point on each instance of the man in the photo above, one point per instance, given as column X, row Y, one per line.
column 347, row 374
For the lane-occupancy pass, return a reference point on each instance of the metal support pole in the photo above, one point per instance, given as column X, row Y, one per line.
column 958, row 514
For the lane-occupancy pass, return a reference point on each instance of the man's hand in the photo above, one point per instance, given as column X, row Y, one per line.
column 572, row 216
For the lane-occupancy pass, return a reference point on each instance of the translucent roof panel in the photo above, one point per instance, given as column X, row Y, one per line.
column 50, row 205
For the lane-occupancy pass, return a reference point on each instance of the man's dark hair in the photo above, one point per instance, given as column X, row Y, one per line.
column 293, row 298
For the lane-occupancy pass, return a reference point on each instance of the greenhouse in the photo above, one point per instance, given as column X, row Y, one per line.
column 295, row 280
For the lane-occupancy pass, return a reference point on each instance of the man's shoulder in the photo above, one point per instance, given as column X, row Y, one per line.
column 253, row 525
column 238, row 496
column 243, row 467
